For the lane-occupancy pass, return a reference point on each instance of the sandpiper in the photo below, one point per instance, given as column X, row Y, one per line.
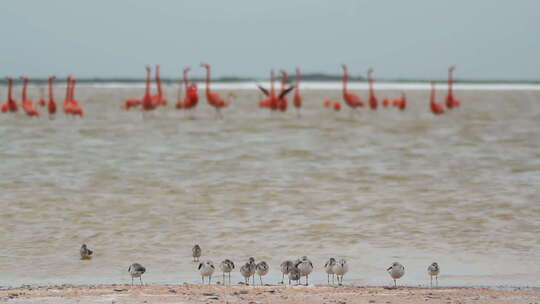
column 196, row 252
column 247, row 270
column 286, row 267
column 294, row 275
column 433, row 271
column 328, row 269
column 136, row 270
column 206, row 269
column 86, row 254
column 306, row 267
column 262, row 269
column 226, row 266
column 340, row 268
column 396, row 271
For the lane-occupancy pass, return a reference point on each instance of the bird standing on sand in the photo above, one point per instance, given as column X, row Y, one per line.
column 286, row 267
column 136, row 270
column 86, row 254
column 206, row 269
column 328, row 268
column 226, row 266
column 262, row 269
column 396, row 271
column 294, row 275
column 433, row 271
column 305, row 266
column 196, row 252
column 248, row 270
column 340, row 268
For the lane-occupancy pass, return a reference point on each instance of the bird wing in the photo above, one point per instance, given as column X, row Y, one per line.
column 265, row 91
column 285, row 92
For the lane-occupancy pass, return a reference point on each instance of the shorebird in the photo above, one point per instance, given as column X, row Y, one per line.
column 328, row 268
column 286, row 267
column 206, row 269
column 247, row 270
column 396, row 271
column 294, row 275
column 262, row 269
column 136, row 270
column 196, row 251
column 86, row 254
column 226, row 266
column 340, row 268
column 305, row 266
column 433, row 271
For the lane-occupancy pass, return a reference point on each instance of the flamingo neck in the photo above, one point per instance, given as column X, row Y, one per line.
column 450, row 82
column 297, row 82
column 208, row 80
column 147, row 89
column 432, row 97
column 72, row 92
column 10, row 87
column 272, row 78
column 158, row 82
column 25, row 86
column 51, row 95
column 67, row 88
column 345, row 80
column 186, row 79
column 370, row 82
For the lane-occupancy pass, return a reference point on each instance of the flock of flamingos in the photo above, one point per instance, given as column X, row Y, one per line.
column 275, row 101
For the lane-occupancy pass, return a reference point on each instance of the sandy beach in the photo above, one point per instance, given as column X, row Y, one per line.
column 267, row 294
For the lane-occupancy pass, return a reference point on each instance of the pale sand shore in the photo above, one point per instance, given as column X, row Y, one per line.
column 267, row 294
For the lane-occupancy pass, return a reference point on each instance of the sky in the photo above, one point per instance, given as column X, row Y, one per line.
column 419, row 39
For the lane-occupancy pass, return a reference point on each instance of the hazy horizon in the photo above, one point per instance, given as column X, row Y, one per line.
column 486, row 40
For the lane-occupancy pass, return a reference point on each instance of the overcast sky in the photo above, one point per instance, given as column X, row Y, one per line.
column 486, row 39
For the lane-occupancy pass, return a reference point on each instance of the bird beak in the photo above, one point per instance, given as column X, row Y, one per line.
column 389, row 268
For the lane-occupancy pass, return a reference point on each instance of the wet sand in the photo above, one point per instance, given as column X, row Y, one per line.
column 267, row 294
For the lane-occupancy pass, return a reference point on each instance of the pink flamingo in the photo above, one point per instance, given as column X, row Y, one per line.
column 11, row 104
column 451, row 101
column 372, row 98
column 282, row 101
column 147, row 102
column 297, row 99
column 27, row 104
column 159, row 99
column 75, row 106
column 51, row 106
column 192, row 97
column 271, row 100
column 436, row 108
column 352, row 100
column 213, row 98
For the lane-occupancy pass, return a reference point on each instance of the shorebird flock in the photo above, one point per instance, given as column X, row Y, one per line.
column 274, row 100
column 294, row 270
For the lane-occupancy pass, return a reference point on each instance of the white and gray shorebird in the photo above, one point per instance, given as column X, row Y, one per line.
column 433, row 271
column 328, row 268
column 294, row 275
column 248, row 270
column 136, row 270
column 305, row 266
column 286, row 267
column 226, row 266
column 396, row 271
column 262, row 269
column 196, row 252
column 86, row 254
column 206, row 269
column 340, row 268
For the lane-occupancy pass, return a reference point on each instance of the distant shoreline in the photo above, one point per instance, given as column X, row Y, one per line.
column 305, row 78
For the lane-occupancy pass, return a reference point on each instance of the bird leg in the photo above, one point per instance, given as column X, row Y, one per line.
column 260, row 277
column 140, row 278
